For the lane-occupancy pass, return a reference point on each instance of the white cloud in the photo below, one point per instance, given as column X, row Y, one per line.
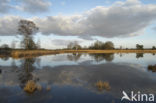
column 30, row 6
column 8, row 25
column 34, row 6
column 63, row 3
column 122, row 19
column 154, row 28
column 5, row 6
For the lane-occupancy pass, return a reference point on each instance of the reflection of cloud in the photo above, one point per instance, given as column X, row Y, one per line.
column 119, row 77
column 7, row 93
column 127, row 18
column 74, row 56
column 9, row 76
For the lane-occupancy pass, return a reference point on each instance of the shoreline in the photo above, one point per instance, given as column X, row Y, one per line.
column 34, row 53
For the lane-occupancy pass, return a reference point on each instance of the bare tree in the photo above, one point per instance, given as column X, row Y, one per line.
column 108, row 45
column 139, row 47
column 74, row 45
column 101, row 45
column 27, row 29
column 153, row 47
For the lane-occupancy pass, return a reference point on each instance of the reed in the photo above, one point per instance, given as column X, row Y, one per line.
column 30, row 86
column 102, row 85
column 33, row 53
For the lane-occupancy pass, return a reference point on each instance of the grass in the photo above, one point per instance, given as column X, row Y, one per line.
column 102, row 85
column 34, row 53
column 31, row 53
column 30, row 87
column 48, row 88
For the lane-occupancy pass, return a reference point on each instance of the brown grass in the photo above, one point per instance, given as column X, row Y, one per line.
column 31, row 87
column 103, row 85
column 34, row 53
column 48, row 88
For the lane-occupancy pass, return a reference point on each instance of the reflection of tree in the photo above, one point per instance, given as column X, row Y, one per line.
column 28, row 82
column 99, row 57
column 26, row 74
column 5, row 58
column 120, row 54
column 38, row 60
column 139, row 55
column 152, row 68
column 74, row 56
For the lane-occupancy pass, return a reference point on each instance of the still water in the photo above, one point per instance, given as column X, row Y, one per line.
column 73, row 78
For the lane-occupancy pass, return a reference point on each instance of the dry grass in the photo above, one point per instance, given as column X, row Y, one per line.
column 48, row 88
column 103, row 85
column 34, row 53
column 30, row 53
column 31, row 87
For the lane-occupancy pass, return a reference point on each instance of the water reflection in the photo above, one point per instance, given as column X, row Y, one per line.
column 26, row 73
column 101, row 57
column 74, row 56
column 102, row 83
column 139, row 55
column 152, row 68
column 4, row 57
column 77, row 58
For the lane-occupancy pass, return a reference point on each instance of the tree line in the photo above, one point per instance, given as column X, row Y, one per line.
column 99, row 45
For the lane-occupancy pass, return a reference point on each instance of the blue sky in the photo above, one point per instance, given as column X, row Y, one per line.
column 124, row 22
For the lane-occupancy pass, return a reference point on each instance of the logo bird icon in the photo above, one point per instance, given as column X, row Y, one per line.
column 125, row 96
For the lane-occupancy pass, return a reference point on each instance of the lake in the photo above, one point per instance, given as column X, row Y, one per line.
column 74, row 78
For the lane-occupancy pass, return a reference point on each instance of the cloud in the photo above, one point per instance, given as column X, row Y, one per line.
column 30, row 6
column 121, row 19
column 5, row 6
column 63, row 3
column 8, row 25
column 34, row 6
column 154, row 28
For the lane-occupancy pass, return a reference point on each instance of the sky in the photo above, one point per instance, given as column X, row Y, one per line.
column 124, row 22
